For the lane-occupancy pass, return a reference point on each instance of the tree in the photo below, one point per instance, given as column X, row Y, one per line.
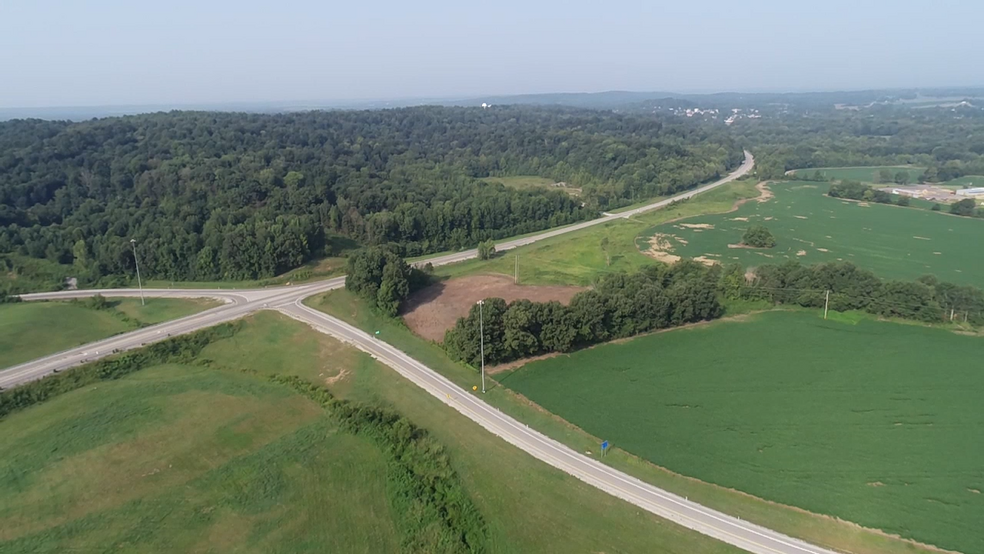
column 964, row 207
column 381, row 277
column 885, row 176
column 486, row 250
column 902, row 177
column 936, row 207
column 902, row 201
column 758, row 236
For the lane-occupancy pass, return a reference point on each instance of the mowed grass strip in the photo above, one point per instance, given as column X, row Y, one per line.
column 894, row 242
column 182, row 458
column 30, row 330
column 862, row 174
column 874, row 422
column 578, row 258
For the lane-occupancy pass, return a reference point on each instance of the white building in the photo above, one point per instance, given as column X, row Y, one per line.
column 979, row 191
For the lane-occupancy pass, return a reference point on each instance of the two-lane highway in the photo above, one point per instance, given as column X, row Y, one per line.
column 288, row 300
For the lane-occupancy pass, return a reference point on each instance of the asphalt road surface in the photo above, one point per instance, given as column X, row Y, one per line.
column 288, row 300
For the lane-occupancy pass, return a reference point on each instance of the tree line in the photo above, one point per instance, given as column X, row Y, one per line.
column 245, row 196
column 618, row 306
column 926, row 299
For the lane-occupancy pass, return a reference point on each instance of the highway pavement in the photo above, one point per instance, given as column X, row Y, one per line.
column 288, row 300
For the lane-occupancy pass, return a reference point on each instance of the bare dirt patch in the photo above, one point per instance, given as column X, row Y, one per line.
column 661, row 249
column 705, row 260
column 435, row 309
column 801, row 253
column 696, row 225
column 739, row 219
column 920, row 238
column 336, row 378
column 800, row 216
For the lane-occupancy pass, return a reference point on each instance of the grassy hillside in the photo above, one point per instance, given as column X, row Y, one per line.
column 179, row 458
column 873, row 422
column 29, row 330
column 811, row 227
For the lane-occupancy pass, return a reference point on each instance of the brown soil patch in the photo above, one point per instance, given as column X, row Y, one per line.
column 336, row 378
column 975, row 491
column 800, row 216
column 518, row 363
column 696, row 225
column 822, row 250
column 876, row 484
column 739, row 219
column 801, row 253
column 705, row 260
column 435, row 309
column 660, row 249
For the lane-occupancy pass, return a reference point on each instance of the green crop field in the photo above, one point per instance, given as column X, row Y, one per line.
column 29, row 330
column 893, row 242
column 579, row 257
column 863, row 174
column 874, row 422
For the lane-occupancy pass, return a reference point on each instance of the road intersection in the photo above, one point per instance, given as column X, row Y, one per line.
column 289, row 300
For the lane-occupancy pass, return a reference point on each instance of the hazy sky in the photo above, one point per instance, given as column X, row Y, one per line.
column 102, row 52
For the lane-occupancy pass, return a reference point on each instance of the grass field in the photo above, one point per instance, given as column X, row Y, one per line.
column 811, row 227
column 875, row 422
column 578, row 258
column 863, row 174
column 29, row 330
column 825, row 531
column 184, row 459
column 181, row 458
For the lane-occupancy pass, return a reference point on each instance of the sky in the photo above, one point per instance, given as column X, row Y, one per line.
column 179, row 52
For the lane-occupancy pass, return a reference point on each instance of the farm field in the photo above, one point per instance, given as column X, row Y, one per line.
column 899, row 243
column 835, row 534
column 875, row 422
column 214, row 457
column 578, row 258
column 862, row 174
column 29, row 330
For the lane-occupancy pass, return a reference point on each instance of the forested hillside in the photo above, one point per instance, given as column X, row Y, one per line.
column 237, row 196
column 948, row 142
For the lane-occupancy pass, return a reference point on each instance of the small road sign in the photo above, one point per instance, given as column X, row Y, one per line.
column 604, row 447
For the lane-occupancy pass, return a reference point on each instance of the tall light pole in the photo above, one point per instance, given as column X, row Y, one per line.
column 481, row 332
column 133, row 243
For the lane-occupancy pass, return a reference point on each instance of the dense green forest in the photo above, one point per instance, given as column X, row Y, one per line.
column 238, row 196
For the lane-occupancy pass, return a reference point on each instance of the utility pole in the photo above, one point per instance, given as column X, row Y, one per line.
column 826, row 303
column 481, row 332
column 133, row 243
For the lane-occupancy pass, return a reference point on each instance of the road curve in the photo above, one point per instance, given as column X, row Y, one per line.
column 750, row 537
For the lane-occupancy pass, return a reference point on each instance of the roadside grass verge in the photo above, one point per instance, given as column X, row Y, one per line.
column 30, row 330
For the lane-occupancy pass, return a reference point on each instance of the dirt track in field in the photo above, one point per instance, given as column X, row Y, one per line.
column 432, row 311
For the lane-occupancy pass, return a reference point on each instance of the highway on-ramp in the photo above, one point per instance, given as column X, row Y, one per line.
column 288, row 300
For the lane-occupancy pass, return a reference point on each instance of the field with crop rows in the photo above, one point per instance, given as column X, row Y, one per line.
column 874, row 422
column 894, row 242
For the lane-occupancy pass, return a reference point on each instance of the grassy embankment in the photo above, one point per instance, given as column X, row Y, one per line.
column 811, row 227
column 793, row 521
column 29, row 330
column 209, row 455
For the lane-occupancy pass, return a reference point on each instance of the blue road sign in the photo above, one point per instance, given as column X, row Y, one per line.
column 604, row 445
